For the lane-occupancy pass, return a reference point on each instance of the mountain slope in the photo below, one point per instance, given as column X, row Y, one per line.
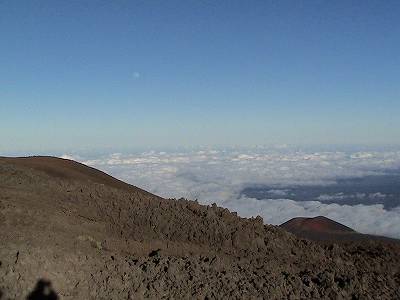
column 95, row 237
column 67, row 169
column 324, row 229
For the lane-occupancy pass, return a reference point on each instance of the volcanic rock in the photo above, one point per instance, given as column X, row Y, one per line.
column 72, row 232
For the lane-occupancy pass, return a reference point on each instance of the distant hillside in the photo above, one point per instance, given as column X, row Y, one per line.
column 67, row 169
column 324, row 229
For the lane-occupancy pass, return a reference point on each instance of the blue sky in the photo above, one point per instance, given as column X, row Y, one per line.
column 128, row 74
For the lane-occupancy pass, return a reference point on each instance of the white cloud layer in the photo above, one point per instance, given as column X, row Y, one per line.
column 220, row 175
column 342, row 196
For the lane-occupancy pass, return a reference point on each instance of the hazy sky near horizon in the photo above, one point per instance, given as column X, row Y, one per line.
column 91, row 74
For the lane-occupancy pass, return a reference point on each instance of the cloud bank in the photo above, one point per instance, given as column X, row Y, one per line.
column 220, row 175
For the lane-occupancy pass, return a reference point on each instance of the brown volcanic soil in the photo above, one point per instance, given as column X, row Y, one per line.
column 324, row 229
column 95, row 237
column 67, row 169
column 318, row 224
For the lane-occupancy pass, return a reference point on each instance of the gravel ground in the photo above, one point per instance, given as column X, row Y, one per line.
column 72, row 232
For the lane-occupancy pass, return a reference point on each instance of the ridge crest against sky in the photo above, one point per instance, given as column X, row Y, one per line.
column 82, row 74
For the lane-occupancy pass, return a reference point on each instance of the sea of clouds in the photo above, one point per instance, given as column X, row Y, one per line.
column 215, row 175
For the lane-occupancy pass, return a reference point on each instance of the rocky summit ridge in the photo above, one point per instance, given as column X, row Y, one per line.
column 69, row 231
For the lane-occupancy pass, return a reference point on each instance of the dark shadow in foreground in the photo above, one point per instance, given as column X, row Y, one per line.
column 43, row 291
